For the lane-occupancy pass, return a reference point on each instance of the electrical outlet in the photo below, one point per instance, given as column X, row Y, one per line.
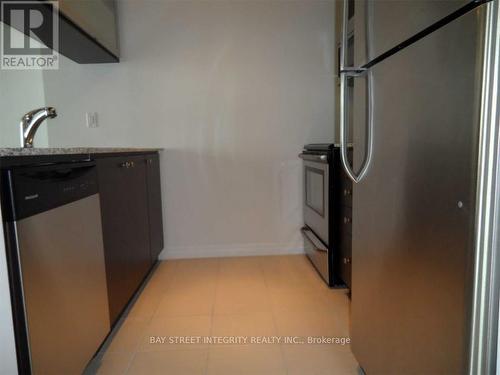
column 91, row 120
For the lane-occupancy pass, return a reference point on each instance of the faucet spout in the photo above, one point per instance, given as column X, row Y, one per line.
column 31, row 121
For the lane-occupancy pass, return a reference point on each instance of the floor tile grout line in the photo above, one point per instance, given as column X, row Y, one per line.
column 213, row 312
column 148, row 320
column 283, row 359
column 138, row 343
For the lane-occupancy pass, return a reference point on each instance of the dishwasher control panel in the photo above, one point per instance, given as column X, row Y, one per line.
column 41, row 188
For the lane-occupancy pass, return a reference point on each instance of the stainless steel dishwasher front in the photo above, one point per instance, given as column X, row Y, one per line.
column 60, row 258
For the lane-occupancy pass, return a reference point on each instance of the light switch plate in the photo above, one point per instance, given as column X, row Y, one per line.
column 91, row 120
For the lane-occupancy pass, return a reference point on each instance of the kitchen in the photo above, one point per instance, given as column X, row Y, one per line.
column 180, row 124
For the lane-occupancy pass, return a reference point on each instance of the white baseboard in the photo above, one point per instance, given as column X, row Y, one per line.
column 213, row 251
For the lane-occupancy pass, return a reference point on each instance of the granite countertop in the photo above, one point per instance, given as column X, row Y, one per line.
column 18, row 157
column 35, row 151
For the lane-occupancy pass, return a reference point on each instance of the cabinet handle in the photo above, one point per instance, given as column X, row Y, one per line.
column 347, row 260
column 347, row 220
column 127, row 164
column 347, row 192
column 150, row 161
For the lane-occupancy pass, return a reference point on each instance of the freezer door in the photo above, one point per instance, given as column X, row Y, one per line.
column 413, row 214
column 391, row 22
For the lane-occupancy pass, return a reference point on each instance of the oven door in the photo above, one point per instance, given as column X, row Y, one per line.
column 316, row 195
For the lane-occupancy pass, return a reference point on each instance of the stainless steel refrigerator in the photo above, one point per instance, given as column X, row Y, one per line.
column 411, row 101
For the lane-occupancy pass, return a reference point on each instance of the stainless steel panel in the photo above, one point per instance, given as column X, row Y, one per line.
column 316, row 252
column 485, row 354
column 316, row 217
column 392, row 22
column 413, row 215
column 62, row 264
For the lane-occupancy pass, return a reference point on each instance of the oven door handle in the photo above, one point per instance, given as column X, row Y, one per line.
column 314, row 157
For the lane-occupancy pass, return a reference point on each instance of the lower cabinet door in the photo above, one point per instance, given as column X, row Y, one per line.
column 154, row 205
column 124, row 204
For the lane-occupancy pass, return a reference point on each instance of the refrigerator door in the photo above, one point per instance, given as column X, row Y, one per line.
column 392, row 22
column 413, row 214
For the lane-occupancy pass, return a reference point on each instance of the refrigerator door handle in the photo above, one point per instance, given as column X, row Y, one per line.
column 353, row 72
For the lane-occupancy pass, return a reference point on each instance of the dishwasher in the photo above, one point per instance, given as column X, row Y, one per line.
column 56, row 264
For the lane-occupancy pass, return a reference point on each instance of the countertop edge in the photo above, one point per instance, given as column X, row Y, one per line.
column 20, row 152
column 12, row 157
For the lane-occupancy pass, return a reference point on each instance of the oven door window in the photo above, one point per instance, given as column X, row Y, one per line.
column 315, row 194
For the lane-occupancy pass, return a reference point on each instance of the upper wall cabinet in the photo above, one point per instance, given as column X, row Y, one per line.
column 87, row 28
column 94, row 37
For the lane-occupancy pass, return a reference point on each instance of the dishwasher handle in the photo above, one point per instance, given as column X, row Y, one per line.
column 55, row 172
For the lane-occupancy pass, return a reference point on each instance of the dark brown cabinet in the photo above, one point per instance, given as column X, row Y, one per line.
column 345, row 244
column 154, row 205
column 98, row 21
column 343, row 220
column 130, row 198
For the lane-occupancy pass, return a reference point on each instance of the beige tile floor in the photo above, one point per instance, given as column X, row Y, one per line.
column 247, row 296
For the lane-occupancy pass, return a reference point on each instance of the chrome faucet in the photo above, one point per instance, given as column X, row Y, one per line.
column 31, row 121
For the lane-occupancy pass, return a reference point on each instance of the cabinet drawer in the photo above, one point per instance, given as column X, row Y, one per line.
column 346, row 190
column 345, row 248
column 346, row 221
column 345, row 259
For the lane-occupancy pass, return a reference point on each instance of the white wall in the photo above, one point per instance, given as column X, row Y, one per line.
column 20, row 92
column 232, row 90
